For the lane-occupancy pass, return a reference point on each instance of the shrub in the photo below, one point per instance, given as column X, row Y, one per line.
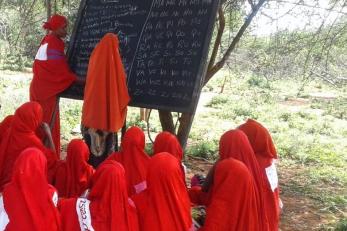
column 204, row 149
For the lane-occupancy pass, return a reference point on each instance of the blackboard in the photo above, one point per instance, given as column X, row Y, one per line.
column 163, row 43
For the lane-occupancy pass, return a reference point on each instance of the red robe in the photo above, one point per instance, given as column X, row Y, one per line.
column 73, row 175
column 107, row 207
column 265, row 152
column 233, row 205
column 28, row 197
column 235, row 144
column 134, row 159
column 4, row 125
column 165, row 204
column 52, row 75
column 20, row 136
column 167, row 142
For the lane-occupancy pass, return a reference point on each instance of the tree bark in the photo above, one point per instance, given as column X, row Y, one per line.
column 166, row 121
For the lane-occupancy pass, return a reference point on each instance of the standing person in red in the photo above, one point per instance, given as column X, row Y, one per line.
column 265, row 152
column 29, row 201
column 107, row 207
column 233, row 205
column 134, row 159
column 52, row 74
column 73, row 174
column 21, row 135
column 165, row 204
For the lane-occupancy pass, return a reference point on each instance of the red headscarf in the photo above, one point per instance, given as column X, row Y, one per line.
column 165, row 204
column 20, row 136
column 106, row 94
column 134, row 159
column 265, row 152
column 73, row 175
column 260, row 139
column 55, row 22
column 4, row 125
column 110, row 208
column 27, row 198
column 235, row 144
column 233, row 206
column 167, row 142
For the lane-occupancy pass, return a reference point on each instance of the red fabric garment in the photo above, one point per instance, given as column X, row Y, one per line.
column 27, row 198
column 165, row 204
column 265, row 152
column 167, row 142
column 55, row 22
column 72, row 176
column 260, row 139
column 233, row 206
column 4, row 125
column 134, row 159
column 20, row 136
column 235, row 144
column 110, row 208
column 52, row 75
column 106, row 94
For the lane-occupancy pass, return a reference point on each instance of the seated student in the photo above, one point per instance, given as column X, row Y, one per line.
column 107, row 207
column 73, row 174
column 29, row 201
column 233, row 205
column 265, row 152
column 235, row 144
column 165, row 204
column 167, row 142
column 134, row 159
column 4, row 125
column 20, row 136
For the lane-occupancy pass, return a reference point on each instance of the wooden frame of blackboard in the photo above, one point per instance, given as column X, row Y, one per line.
column 71, row 91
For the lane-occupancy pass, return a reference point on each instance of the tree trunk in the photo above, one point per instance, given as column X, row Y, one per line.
column 186, row 121
column 166, row 121
column 49, row 9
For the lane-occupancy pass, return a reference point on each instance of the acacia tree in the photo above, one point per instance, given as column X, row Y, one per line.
column 217, row 59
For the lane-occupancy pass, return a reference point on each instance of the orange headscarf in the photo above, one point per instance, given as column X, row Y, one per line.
column 134, row 159
column 233, row 204
column 20, row 136
column 167, row 142
column 106, row 94
column 27, row 198
column 165, row 204
column 72, row 176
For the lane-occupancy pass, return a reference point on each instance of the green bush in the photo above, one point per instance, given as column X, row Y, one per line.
column 204, row 149
column 258, row 81
column 218, row 101
column 341, row 225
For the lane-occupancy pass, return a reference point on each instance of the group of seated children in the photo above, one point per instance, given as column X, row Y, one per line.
column 131, row 190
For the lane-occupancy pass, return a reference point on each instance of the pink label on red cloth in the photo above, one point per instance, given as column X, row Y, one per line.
column 141, row 186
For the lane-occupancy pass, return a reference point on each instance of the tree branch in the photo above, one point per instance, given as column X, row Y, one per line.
column 233, row 44
column 221, row 20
